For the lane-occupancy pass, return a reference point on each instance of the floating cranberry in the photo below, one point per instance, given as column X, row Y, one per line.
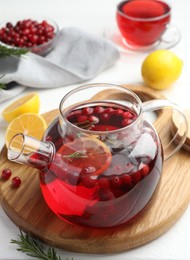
column 75, row 112
column 125, row 122
column 88, row 181
column 116, row 181
column 94, row 119
column 87, row 110
column 82, row 119
column 126, row 179
column 88, row 170
column 110, row 110
column 136, row 177
column 99, row 110
column 16, row 181
column 127, row 115
column 118, row 112
column 39, row 160
column 6, row 174
column 145, row 170
column 104, row 183
column 105, row 117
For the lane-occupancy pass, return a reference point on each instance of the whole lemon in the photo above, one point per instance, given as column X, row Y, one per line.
column 161, row 68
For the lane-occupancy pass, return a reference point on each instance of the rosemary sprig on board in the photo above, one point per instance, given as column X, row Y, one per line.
column 35, row 248
column 5, row 51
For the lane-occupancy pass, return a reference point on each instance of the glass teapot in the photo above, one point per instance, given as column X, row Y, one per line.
column 100, row 160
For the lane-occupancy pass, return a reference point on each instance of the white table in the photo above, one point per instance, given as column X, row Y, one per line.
column 93, row 16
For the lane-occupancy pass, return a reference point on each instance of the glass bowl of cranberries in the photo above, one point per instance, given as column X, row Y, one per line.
column 38, row 35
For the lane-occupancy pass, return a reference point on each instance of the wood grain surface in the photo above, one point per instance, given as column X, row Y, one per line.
column 26, row 208
column 177, row 125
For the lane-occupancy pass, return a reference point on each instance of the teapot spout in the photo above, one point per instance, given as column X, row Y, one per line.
column 25, row 149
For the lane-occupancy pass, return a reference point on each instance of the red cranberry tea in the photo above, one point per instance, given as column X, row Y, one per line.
column 101, row 180
column 142, row 22
column 100, row 161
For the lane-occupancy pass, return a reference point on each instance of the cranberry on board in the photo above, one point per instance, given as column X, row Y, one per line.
column 16, row 181
column 6, row 174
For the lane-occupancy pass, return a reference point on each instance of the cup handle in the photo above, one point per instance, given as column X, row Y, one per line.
column 174, row 144
column 170, row 37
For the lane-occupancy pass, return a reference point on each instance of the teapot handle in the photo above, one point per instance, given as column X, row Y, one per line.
column 175, row 143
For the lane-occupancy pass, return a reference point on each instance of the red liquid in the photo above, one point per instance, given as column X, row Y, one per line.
column 78, row 191
column 141, row 32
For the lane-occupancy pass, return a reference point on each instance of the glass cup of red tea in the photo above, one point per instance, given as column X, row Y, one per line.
column 143, row 23
column 100, row 161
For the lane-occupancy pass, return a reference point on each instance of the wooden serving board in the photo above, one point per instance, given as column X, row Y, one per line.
column 26, row 208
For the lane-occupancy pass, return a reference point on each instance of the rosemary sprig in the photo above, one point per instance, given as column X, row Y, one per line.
column 35, row 248
column 86, row 124
column 76, row 155
column 6, row 51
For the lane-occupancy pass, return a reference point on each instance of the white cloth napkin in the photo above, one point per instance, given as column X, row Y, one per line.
column 77, row 57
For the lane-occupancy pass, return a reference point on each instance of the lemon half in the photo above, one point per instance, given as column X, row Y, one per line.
column 28, row 124
column 29, row 103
